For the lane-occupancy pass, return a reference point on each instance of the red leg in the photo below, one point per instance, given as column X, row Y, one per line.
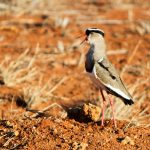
column 113, row 111
column 103, row 108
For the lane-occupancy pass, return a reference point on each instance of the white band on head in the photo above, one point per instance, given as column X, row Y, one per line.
column 89, row 30
column 95, row 29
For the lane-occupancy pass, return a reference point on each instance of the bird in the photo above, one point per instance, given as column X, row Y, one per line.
column 102, row 72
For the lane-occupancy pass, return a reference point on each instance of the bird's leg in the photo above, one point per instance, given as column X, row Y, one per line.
column 103, row 108
column 112, row 107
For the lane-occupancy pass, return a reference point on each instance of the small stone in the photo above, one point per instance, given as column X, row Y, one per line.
column 93, row 112
column 16, row 133
column 8, row 123
column 79, row 146
column 127, row 140
column 55, row 131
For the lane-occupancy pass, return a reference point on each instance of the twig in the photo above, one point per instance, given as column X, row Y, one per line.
column 8, row 141
column 59, row 97
column 45, row 109
column 58, row 84
column 131, row 121
column 37, row 49
column 117, row 52
column 3, row 136
column 50, row 106
column 144, row 116
column 143, row 111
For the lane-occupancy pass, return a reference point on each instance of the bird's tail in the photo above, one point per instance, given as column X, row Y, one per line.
column 127, row 101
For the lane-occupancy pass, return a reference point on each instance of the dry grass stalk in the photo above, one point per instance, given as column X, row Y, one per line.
column 23, row 69
column 8, row 141
column 117, row 52
column 18, row 70
column 37, row 93
column 58, row 84
column 49, row 107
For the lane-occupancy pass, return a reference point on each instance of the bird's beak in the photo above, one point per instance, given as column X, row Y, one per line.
column 85, row 39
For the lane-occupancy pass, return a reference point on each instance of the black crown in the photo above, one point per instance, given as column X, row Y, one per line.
column 89, row 31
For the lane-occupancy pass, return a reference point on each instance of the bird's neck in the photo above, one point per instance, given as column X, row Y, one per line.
column 99, row 50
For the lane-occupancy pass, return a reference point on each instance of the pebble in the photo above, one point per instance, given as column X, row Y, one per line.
column 127, row 140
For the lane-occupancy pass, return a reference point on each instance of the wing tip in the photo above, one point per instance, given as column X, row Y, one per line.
column 126, row 99
column 128, row 102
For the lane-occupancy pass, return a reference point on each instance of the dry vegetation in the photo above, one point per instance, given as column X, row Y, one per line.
column 42, row 69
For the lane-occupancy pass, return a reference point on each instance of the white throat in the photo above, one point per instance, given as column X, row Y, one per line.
column 99, row 49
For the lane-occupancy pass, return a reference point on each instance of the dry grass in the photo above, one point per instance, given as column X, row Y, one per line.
column 23, row 69
column 19, row 70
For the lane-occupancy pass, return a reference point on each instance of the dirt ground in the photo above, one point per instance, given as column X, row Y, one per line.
column 43, row 85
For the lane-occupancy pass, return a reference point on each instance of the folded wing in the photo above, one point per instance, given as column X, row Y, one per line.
column 109, row 77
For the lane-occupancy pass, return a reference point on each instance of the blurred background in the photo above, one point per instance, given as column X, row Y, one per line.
column 42, row 70
column 42, row 61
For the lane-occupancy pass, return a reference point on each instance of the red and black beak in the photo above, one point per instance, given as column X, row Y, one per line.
column 85, row 38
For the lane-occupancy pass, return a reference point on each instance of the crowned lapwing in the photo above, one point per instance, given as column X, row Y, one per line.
column 102, row 72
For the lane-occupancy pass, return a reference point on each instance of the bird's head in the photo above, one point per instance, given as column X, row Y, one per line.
column 94, row 35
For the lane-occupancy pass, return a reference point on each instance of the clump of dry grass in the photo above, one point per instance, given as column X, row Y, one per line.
column 23, row 69
column 23, row 72
column 19, row 70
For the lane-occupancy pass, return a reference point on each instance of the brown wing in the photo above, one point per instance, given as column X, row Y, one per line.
column 108, row 75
